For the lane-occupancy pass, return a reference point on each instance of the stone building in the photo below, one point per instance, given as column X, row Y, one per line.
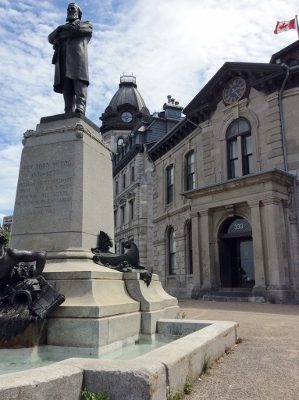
column 225, row 195
column 7, row 223
column 131, row 130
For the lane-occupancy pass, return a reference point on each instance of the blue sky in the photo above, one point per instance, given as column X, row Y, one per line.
column 172, row 46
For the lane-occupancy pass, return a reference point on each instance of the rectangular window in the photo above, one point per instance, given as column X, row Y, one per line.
column 124, row 181
column 115, row 218
column 132, row 173
column 172, row 252
column 131, row 206
column 233, row 170
column 169, row 184
column 190, row 172
column 116, row 188
column 247, row 155
column 123, row 214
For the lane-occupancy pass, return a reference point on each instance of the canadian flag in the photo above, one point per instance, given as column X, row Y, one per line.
column 282, row 26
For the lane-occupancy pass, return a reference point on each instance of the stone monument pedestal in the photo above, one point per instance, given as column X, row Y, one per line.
column 65, row 189
column 64, row 199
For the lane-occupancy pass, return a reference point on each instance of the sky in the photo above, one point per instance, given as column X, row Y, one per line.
column 173, row 47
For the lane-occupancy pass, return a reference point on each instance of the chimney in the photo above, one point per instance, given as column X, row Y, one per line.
column 172, row 108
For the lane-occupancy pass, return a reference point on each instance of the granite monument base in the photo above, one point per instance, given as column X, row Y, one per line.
column 104, row 308
column 65, row 189
column 64, row 199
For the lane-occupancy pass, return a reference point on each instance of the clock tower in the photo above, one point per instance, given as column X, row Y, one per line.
column 125, row 110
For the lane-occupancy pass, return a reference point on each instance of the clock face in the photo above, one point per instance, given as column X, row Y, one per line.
column 126, row 116
column 234, row 90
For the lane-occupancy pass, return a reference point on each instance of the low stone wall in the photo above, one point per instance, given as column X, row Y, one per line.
column 147, row 377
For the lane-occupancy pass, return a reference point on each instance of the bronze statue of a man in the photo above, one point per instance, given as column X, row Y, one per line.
column 70, row 58
column 9, row 258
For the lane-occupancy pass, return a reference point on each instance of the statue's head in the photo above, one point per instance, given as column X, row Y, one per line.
column 73, row 12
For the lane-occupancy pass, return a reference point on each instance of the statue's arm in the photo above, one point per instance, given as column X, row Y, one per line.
column 83, row 29
column 54, row 35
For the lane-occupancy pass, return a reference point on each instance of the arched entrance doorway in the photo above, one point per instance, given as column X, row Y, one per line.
column 236, row 254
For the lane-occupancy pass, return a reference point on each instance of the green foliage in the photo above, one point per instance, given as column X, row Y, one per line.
column 206, row 364
column 7, row 237
column 184, row 315
column 93, row 396
column 172, row 395
column 188, row 386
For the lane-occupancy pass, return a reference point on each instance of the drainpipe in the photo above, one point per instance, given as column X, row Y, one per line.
column 284, row 146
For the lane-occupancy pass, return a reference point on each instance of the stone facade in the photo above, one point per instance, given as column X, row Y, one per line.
column 133, row 183
column 132, row 168
column 240, row 212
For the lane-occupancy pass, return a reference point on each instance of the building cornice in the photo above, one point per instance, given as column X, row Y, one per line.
column 171, row 213
column 274, row 175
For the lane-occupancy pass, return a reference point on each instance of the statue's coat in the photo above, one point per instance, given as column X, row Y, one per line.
column 76, row 42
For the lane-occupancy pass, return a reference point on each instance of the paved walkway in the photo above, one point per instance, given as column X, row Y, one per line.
column 265, row 365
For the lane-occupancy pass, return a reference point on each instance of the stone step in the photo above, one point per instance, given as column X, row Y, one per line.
column 212, row 297
column 236, row 299
column 232, row 294
column 234, row 289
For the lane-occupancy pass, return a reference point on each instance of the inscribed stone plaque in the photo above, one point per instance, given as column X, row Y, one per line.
column 45, row 188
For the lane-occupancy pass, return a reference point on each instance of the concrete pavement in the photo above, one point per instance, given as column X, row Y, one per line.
column 265, row 365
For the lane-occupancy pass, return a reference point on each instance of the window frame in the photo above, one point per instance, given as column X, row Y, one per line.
column 171, row 252
column 119, row 143
column 131, row 209
column 238, row 163
column 123, row 214
column 169, row 184
column 190, row 170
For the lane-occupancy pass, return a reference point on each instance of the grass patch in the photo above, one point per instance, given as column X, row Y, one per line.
column 174, row 395
column 93, row 396
column 206, row 364
column 188, row 386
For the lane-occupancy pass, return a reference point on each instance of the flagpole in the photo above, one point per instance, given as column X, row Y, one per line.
column 297, row 25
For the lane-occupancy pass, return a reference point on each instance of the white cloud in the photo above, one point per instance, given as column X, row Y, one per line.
column 173, row 47
column 9, row 171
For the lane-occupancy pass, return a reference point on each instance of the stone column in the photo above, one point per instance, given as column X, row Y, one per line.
column 276, row 248
column 258, row 249
column 180, row 260
column 195, row 249
column 206, row 251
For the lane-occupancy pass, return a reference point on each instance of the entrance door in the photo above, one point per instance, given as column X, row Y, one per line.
column 236, row 254
column 245, row 263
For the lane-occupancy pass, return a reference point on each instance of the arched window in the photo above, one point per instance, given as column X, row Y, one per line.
column 190, row 171
column 171, row 252
column 239, row 148
column 188, row 248
column 119, row 143
column 169, row 184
